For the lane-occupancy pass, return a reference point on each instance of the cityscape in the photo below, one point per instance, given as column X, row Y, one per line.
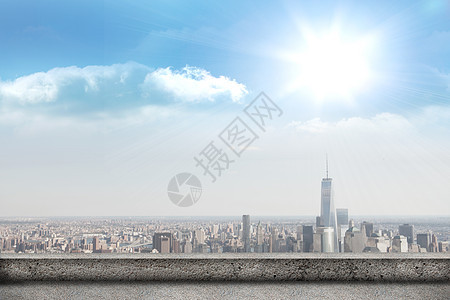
column 218, row 235
column 225, row 150
column 333, row 231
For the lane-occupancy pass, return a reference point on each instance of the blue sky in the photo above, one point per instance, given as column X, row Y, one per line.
column 237, row 40
column 107, row 100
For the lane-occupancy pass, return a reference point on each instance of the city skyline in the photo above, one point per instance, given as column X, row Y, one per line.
column 334, row 232
column 140, row 235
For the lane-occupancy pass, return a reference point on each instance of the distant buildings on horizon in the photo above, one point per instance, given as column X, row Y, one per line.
column 333, row 232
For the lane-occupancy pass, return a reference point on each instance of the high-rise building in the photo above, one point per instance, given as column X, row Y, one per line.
column 318, row 222
column 434, row 244
column 259, row 234
column 400, row 244
column 354, row 240
column 176, row 246
column 342, row 229
column 342, row 223
column 165, row 245
column 327, row 210
column 246, row 232
column 215, row 229
column 443, row 247
column 162, row 241
column 270, row 244
column 199, row 236
column 376, row 241
column 351, row 223
column 342, row 216
column 317, row 242
column 274, row 238
column 368, row 228
column 96, row 244
column 424, row 240
column 300, row 233
column 308, row 236
column 187, row 247
column 408, row 231
column 326, row 242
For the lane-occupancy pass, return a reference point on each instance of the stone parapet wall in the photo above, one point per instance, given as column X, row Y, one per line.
column 225, row 267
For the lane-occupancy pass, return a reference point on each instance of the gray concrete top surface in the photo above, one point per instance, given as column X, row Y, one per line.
column 429, row 267
column 221, row 256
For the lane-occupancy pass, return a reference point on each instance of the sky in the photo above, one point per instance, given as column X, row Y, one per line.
column 102, row 103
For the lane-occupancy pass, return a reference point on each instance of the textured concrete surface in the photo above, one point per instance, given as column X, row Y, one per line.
column 225, row 267
column 230, row 290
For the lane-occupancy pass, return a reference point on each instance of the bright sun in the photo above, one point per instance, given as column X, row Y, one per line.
column 331, row 67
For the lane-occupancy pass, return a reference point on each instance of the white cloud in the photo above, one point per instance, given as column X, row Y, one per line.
column 104, row 87
column 193, row 85
column 383, row 122
column 59, row 83
column 116, row 95
column 314, row 126
column 38, row 87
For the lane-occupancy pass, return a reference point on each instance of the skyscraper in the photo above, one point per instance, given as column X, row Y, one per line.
column 162, row 241
column 259, row 234
column 368, row 228
column 199, row 236
column 308, row 238
column 96, row 244
column 424, row 240
column 342, row 216
column 354, row 240
column 342, row 222
column 274, row 238
column 327, row 239
column 408, row 231
column 246, row 232
column 399, row 244
column 165, row 245
column 318, row 222
column 300, row 233
column 327, row 210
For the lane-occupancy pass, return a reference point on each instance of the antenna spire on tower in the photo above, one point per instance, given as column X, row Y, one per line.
column 327, row 164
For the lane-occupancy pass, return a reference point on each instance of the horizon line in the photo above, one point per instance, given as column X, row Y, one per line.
column 203, row 216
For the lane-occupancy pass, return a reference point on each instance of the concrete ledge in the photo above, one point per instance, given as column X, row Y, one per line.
column 226, row 267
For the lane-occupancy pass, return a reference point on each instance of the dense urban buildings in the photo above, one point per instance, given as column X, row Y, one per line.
column 330, row 232
column 216, row 235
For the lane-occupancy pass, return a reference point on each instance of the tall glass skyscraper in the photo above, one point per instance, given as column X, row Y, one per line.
column 327, row 210
column 342, row 216
column 246, row 232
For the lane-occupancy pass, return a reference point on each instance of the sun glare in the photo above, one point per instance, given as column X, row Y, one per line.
column 330, row 67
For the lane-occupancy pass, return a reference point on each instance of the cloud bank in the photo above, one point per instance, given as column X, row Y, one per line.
column 193, row 85
column 383, row 122
column 118, row 86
